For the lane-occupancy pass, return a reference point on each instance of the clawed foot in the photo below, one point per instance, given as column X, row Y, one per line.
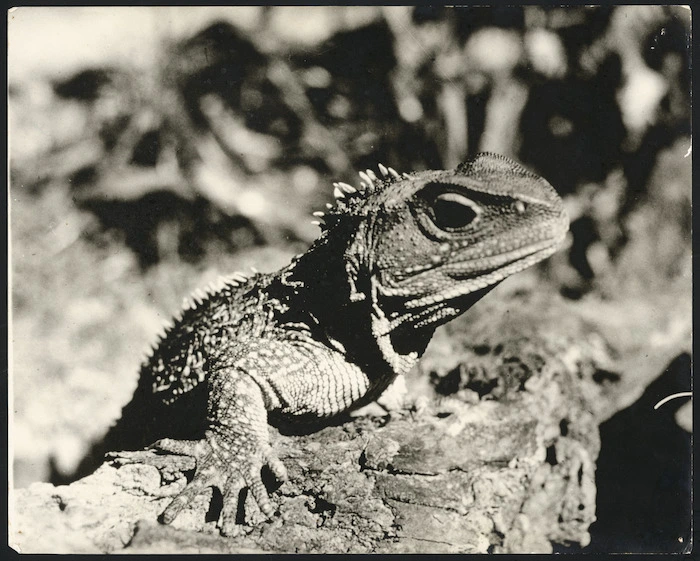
column 231, row 470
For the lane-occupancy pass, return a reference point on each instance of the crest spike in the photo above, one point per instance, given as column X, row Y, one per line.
column 371, row 174
column 329, row 206
column 405, row 176
column 319, row 214
column 349, row 189
column 383, row 170
column 337, row 193
column 395, row 173
column 366, row 178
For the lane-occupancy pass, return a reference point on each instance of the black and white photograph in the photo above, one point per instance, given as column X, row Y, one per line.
column 350, row 279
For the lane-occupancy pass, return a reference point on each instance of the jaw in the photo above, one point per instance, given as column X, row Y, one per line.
column 449, row 282
column 488, row 279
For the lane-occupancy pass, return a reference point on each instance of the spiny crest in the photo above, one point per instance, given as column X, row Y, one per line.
column 195, row 300
column 349, row 198
column 199, row 295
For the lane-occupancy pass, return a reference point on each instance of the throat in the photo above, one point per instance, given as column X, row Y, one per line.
column 400, row 344
column 346, row 317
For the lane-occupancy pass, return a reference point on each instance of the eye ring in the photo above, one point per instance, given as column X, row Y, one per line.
column 453, row 211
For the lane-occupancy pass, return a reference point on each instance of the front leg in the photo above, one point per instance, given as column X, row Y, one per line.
column 233, row 451
column 299, row 380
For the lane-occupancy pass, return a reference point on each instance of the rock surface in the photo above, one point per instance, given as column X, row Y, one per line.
column 503, row 461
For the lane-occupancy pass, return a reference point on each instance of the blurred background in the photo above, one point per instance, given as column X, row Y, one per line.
column 154, row 148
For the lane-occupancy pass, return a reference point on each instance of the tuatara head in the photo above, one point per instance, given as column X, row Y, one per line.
column 425, row 246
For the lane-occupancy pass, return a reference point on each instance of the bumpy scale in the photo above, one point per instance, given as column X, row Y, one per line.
column 398, row 256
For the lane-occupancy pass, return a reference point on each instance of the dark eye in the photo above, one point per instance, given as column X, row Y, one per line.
column 454, row 211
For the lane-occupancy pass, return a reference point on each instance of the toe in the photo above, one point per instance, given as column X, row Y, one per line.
column 257, row 489
column 273, row 462
column 182, row 447
column 229, row 513
column 194, row 488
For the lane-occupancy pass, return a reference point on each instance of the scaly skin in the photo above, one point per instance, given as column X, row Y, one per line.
column 328, row 333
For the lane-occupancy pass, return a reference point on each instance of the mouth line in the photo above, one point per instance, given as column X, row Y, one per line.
column 497, row 262
column 509, row 264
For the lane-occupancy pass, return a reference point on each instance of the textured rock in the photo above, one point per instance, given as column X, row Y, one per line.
column 429, row 493
column 502, row 460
